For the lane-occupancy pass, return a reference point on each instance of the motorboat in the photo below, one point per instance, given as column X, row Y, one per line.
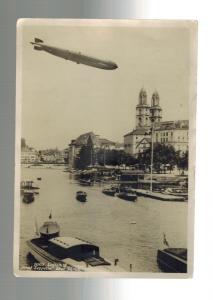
column 86, row 182
column 128, row 194
column 81, row 196
column 172, row 260
column 52, row 252
column 28, row 197
column 109, row 191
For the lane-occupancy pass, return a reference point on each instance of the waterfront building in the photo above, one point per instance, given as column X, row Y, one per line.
column 52, row 156
column 173, row 133
column 28, row 154
column 98, row 143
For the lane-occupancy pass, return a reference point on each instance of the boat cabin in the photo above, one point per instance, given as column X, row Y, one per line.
column 76, row 249
column 49, row 230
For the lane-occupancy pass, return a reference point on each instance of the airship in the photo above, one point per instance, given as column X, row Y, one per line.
column 76, row 57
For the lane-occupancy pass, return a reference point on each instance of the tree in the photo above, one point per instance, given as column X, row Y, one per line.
column 182, row 160
column 162, row 155
column 86, row 155
column 115, row 157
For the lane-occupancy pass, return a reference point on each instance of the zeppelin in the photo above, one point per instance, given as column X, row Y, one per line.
column 74, row 56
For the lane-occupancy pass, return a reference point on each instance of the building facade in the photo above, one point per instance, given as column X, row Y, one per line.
column 173, row 133
column 28, row 155
column 97, row 142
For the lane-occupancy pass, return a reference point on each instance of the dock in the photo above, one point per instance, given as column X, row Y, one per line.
column 158, row 195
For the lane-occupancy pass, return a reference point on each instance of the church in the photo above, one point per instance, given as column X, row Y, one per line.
column 173, row 133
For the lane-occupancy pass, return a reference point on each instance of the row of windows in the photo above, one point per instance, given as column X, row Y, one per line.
column 179, row 139
column 164, row 134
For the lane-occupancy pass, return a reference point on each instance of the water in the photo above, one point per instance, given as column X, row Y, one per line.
column 103, row 220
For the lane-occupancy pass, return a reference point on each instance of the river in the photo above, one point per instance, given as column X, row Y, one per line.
column 129, row 231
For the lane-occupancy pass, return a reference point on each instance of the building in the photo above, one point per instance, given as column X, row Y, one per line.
column 135, row 142
column 97, row 142
column 173, row 133
column 52, row 156
column 28, row 154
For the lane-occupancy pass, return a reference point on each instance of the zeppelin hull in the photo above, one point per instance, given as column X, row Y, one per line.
column 76, row 57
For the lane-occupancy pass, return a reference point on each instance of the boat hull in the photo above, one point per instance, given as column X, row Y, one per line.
column 41, row 260
column 28, row 198
column 81, row 198
column 45, row 261
column 109, row 192
column 159, row 196
column 171, row 263
column 128, row 197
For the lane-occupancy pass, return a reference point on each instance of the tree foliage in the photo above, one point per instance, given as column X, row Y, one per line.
column 162, row 155
column 115, row 157
column 182, row 160
column 86, row 155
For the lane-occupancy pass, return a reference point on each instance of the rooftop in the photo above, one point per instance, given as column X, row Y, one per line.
column 168, row 125
column 139, row 131
column 67, row 242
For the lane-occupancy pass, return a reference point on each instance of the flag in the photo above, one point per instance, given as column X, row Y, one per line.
column 165, row 240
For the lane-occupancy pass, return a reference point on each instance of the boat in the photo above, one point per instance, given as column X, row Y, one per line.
column 176, row 192
column 52, row 252
column 28, row 197
column 172, row 260
column 159, row 195
column 127, row 194
column 109, row 191
column 86, row 182
column 81, row 196
column 38, row 178
column 28, row 185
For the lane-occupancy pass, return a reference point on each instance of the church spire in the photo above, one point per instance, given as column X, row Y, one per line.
column 142, row 110
column 142, row 97
column 155, row 99
column 155, row 109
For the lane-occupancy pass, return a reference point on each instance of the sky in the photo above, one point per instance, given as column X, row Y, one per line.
column 61, row 99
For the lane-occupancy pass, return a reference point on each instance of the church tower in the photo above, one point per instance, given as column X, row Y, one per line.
column 155, row 109
column 142, row 111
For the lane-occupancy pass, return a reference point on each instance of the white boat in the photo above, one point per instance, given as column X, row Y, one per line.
column 51, row 252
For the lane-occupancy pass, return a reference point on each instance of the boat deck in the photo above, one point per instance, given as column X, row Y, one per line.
column 158, row 195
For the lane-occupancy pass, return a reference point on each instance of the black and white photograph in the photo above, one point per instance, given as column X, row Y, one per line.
column 105, row 148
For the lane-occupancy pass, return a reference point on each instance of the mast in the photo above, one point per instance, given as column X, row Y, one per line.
column 152, row 150
column 36, row 227
column 104, row 155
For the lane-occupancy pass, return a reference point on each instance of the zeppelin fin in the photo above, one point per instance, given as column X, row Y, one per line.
column 37, row 47
column 38, row 40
